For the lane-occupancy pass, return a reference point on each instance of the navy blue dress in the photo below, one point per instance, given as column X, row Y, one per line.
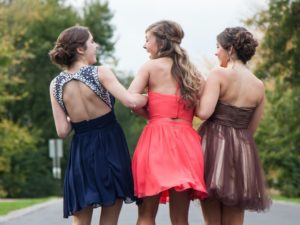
column 99, row 167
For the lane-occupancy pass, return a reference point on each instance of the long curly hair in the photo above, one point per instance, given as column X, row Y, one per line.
column 168, row 36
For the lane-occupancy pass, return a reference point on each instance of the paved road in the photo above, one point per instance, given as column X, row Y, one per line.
column 280, row 214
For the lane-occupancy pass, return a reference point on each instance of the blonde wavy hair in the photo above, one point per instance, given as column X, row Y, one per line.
column 168, row 38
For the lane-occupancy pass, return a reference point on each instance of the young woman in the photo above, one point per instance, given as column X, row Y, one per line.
column 167, row 162
column 232, row 105
column 99, row 168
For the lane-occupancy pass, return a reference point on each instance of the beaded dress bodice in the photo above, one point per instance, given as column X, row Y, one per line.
column 89, row 76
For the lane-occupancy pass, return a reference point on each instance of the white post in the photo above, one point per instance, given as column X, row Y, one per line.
column 56, row 152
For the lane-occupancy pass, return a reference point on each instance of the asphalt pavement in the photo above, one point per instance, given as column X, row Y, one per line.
column 50, row 213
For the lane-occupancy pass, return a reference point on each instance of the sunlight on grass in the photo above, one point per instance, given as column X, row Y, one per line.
column 286, row 199
column 8, row 206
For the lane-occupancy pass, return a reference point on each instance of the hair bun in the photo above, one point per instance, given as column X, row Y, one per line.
column 241, row 40
column 61, row 52
column 244, row 45
column 61, row 56
column 64, row 52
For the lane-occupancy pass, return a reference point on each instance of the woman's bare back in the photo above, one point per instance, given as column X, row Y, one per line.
column 239, row 87
column 82, row 103
column 160, row 77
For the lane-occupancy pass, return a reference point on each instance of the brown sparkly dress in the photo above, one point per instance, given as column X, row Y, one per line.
column 233, row 172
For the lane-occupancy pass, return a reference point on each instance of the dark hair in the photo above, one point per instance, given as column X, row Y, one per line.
column 168, row 36
column 241, row 40
column 64, row 52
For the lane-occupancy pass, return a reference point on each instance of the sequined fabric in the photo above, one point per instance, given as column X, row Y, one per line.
column 89, row 76
column 233, row 172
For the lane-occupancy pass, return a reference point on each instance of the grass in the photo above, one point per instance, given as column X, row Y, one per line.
column 8, row 206
column 286, row 199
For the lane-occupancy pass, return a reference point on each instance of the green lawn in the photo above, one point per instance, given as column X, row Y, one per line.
column 8, row 206
column 286, row 199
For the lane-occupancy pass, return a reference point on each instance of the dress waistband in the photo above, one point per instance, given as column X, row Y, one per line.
column 94, row 124
column 170, row 121
column 230, row 123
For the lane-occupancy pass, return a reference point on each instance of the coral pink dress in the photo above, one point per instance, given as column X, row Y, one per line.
column 168, row 154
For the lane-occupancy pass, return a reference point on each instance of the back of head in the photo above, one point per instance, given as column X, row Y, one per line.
column 64, row 53
column 168, row 36
column 241, row 40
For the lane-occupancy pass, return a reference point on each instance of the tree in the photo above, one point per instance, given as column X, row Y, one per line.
column 132, row 124
column 15, row 139
column 97, row 17
column 28, row 31
column 279, row 134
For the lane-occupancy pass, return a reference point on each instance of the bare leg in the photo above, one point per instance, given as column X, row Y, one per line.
column 232, row 216
column 83, row 217
column 148, row 210
column 179, row 207
column 212, row 211
column 110, row 215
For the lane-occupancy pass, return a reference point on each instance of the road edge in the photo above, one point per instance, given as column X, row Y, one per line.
column 21, row 212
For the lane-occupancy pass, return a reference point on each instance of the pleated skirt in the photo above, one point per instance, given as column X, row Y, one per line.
column 99, row 167
column 233, row 171
column 168, row 156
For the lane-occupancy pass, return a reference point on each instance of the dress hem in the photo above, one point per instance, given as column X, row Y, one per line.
column 195, row 193
column 126, row 200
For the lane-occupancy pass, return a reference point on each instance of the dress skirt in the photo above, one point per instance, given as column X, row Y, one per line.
column 99, row 167
column 233, row 172
column 168, row 156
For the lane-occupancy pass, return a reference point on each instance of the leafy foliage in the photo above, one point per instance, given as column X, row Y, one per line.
column 16, row 144
column 28, row 31
column 279, row 134
column 131, row 123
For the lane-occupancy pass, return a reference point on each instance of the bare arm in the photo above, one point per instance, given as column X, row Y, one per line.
column 61, row 120
column 257, row 116
column 143, row 112
column 209, row 97
column 111, row 83
column 138, row 85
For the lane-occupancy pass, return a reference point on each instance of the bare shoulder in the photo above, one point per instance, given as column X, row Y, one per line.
column 151, row 66
column 104, row 73
column 259, row 87
column 156, row 63
column 147, row 65
column 163, row 63
column 103, row 70
column 259, row 83
column 217, row 73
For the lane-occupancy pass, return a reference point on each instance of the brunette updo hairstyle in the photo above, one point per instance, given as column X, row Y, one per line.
column 168, row 35
column 241, row 40
column 64, row 53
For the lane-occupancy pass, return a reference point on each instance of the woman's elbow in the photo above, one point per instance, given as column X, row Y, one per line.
column 135, row 101
column 203, row 115
column 130, row 103
column 63, row 132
